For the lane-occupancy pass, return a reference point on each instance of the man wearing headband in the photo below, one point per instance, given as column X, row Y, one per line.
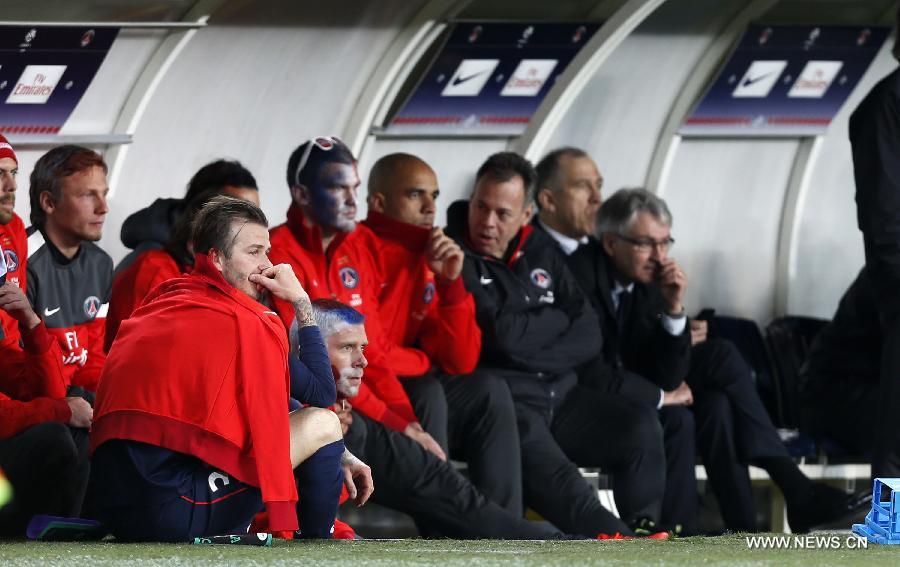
column 331, row 256
column 38, row 454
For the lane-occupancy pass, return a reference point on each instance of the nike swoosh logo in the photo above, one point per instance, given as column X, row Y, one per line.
column 49, row 312
column 750, row 80
column 486, row 280
column 460, row 79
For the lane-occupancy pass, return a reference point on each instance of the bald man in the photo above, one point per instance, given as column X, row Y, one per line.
column 429, row 319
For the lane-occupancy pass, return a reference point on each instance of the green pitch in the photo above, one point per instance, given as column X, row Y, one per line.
column 725, row 550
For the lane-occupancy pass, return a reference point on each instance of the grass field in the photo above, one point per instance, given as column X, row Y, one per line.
column 724, row 550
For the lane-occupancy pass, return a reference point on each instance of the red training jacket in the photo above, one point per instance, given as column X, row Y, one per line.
column 32, row 386
column 14, row 243
column 219, row 396
column 346, row 272
column 427, row 319
column 133, row 284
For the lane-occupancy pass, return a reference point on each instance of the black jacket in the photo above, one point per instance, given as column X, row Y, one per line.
column 849, row 348
column 644, row 357
column 533, row 316
column 875, row 142
column 149, row 228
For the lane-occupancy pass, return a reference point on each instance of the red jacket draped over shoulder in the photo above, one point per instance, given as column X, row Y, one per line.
column 428, row 320
column 200, row 368
column 346, row 271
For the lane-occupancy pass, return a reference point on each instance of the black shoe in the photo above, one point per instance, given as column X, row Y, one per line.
column 645, row 527
column 827, row 505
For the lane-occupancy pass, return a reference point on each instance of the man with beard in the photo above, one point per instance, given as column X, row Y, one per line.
column 37, row 451
column 195, row 449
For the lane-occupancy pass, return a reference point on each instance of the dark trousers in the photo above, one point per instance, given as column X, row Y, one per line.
column 733, row 428
column 561, row 425
column 473, row 418
column 409, row 479
column 679, row 506
column 48, row 474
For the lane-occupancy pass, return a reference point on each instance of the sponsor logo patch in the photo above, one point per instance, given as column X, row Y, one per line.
column 759, row 79
column 470, row 77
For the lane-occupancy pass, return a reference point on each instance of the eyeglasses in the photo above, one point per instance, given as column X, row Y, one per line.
column 646, row 245
column 324, row 143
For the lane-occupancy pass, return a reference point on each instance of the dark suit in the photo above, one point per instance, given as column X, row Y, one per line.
column 875, row 142
column 732, row 427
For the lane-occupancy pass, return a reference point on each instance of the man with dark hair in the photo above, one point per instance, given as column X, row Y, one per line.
column 852, row 382
column 409, row 478
column 568, row 197
column 155, row 227
column 38, row 453
column 69, row 277
column 537, row 328
column 154, row 266
column 196, row 448
column 332, row 257
column 433, row 338
column 637, row 291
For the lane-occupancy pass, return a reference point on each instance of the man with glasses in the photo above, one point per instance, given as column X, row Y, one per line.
column 637, row 291
column 537, row 327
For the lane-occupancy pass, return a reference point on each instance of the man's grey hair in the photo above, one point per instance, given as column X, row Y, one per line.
column 331, row 316
column 619, row 212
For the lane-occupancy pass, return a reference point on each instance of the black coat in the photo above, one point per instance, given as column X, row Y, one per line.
column 644, row 357
column 875, row 142
column 532, row 313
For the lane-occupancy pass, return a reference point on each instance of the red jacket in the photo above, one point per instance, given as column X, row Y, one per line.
column 221, row 396
column 14, row 243
column 32, row 387
column 133, row 284
column 346, row 272
column 31, row 380
column 427, row 319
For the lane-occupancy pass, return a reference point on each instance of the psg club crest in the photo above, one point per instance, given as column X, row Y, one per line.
column 541, row 278
column 12, row 260
column 349, row 278
column 92, row 306
column 428, row 297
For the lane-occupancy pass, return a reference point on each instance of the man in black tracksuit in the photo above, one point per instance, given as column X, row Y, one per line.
column 537, row 327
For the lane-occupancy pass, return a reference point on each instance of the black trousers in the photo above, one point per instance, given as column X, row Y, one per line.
column 412, row 480
column 679, row 506
column 473, row 418
column 561, row 424
column 733, row 428
column 48, row 468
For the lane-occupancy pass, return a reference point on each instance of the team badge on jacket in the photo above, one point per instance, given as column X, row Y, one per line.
column 349, row 277
column 92, row 306
column 12, row 260
column 428, row 297
column 541, row 278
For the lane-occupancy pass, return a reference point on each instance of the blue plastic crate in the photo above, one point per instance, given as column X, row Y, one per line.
column 883, row 521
